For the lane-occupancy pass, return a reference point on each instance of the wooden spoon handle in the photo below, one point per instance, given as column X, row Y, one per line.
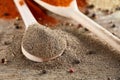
column 26, row 14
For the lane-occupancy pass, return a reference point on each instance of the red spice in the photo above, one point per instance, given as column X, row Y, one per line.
column 40, row 14
column 8, row 9
column 81, row 3
column 64, row 3
column 21, row 2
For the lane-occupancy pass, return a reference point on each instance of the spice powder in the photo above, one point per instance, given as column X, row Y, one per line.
column 8, row 9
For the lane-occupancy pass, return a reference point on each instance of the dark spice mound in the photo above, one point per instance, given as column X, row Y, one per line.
column 43, row 42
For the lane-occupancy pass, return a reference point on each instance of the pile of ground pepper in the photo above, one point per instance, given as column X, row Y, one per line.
column 43, row 42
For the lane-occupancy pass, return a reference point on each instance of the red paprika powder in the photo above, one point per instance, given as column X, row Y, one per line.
column 64, row 3
column 81, row 3
column 40, row 14
column 8, row 9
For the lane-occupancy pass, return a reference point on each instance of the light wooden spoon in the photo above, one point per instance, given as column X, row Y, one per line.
column 73, row 12
column 39, row 43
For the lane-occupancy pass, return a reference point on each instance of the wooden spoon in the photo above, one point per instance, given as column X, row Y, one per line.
column 39, row 43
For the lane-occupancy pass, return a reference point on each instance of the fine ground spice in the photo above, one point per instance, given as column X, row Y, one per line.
column 21, row 2
column 81, row 3
column 8, row 9
column 64, row 3
column 43, row 42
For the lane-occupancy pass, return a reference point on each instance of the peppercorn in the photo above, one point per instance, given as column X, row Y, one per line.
column 86, row 29
column 4, row 60
column 44, row 71
column 113, row 26
column 90, row 6
column 117, row 8
column 93, row 16
column 86, row 12
column 17, row 27
column 6, row 14
column 76, row 61
column 91, row 52
column 71, row 70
